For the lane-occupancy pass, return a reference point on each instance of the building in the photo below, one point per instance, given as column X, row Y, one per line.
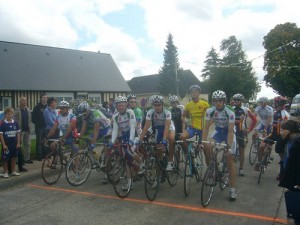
column 146, row 86
column 67, row 74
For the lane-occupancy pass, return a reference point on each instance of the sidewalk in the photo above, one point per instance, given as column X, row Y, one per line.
column 33, row 173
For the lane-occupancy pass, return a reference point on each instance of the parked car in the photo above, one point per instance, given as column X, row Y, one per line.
column 295, row 106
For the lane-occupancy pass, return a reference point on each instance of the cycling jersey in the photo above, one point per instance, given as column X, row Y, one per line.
column 94, row 117
column 138, row 114
column 9, row 130
column 264, row 113
column 124, row 125
column 196, row 111
column 63, row 122
column 279, row 116
column 176, row 117
column 241, row 115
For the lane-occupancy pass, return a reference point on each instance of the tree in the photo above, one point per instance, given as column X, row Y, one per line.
column 170, row 69
column 232, row 73
column 282, row 59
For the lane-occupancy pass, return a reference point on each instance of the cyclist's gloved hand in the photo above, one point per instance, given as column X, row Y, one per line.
column 110, row 144
column 92, row 146
column 130, row 142
column 164, row 142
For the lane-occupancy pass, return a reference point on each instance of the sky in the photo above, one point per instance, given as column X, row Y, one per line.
column 135, row 32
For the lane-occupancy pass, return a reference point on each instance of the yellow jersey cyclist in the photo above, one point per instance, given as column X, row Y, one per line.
column 132, row 104
column 224, row 118
column 162, row 125
column 195, row 109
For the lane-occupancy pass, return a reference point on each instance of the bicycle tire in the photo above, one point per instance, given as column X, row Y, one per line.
column 208, row 185
column 172, row 176
column 180, row 159
column 199, row 164
column 151, row 179
column 224, row 176
column 122, row 181
column 52, row 168
column 79, row 168
column 188, row 175
column 262, row 168
column 252, row 154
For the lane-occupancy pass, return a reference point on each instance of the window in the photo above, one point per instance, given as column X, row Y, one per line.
column 62, row 96
column 5, row 102
column 95, row 98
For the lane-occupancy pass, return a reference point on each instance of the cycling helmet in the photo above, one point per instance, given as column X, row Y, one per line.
column 173, row 98
column 238, row 96
column 280, row 100
column 63, row 104
column 219, row 94
column 156, row 99
column 120, row 99
column 263, row 99
column 83, row 106
column 130, row 96
column 195, row 88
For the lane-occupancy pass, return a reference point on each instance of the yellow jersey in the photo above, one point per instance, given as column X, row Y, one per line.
column 196, row 111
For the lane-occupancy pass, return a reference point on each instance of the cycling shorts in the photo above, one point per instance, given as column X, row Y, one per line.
column 221, row 135
column 193, row 131
column 261, row 127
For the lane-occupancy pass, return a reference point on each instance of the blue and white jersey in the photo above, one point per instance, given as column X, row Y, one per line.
column 221, row 118
column 9, row 130
column 159, row 119
column 264, row 113
column 63, row 122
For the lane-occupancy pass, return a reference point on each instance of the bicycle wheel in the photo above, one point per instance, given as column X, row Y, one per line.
column 253, row 153
column 151, row 179
column 208, row 184
column 262, row 167
column 199, row 165
column 79, row 168
column 236, row 156
column 110, row 161
column 121, row 176
column 52, row 168
column 180, row 159
column 172, row 175
column 188, row 175
column 224, row 176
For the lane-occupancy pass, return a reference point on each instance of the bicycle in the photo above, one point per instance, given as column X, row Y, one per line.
column 193, row 164
column 217, row 171
column 81, row 164
column 123, row 168
column 54, row 163
column 155, row 172
column 180, row 157
column 265, row 158
column 254, row 148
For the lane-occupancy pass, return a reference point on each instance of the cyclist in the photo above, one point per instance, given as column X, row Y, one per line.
column 131, row 98
column 224, row 118
column 265, row 113
column 124, row 126
column 195, row 109
column 161, row 120
column 241, row 115
column 177, row 111
column 96, row 125
column 66, row 123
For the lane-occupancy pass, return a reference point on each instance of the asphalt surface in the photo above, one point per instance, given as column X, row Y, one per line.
column 27, row 200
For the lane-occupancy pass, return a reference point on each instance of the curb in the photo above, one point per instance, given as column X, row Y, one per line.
column 12, row 182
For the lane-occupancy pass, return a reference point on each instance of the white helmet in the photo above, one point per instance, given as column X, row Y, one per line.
column 63, row 104
column 83, row 106
column 173, row 98
column 120, row 99
column 195, row 88
column 263, row 99
column 156, row 99
column 238, row 96
column 219, row 94
column 130, row 96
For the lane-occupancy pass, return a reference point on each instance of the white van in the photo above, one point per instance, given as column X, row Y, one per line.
column 295, row 106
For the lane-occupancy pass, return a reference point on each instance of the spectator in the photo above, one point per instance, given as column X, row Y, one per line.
column 22, row 116
column 290, row 166
column 40, row 124
column 105, row 109
column 111, row 104
column 10, row 140
column 50, row 115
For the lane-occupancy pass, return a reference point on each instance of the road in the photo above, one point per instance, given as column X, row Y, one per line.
column 95, row 203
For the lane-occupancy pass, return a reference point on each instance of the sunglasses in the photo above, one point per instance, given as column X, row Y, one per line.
column 157, row 105
column 218, row 100
column 236, row 100
column 132, row 101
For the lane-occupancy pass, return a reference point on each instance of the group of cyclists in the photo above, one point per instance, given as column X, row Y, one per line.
column 168, row 125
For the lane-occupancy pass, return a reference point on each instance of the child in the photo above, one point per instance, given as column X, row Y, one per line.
column 10, row 140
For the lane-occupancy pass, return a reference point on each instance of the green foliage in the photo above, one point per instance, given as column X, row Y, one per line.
column 282, row 59
column 232, row 73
